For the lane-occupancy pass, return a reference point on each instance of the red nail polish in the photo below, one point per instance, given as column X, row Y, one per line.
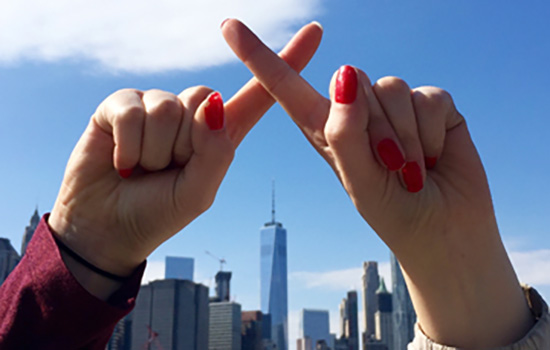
column 430, row 162
column 345, row 90
column 412, row 176
column 390, row 154
column 213, row 111
column 125, row 173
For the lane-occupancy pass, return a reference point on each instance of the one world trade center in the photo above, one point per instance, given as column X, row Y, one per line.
column 273, row 280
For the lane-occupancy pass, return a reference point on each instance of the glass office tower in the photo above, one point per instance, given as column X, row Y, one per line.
column 314, row 324
column 404, row 316
column 179, row 268
column 273, row 281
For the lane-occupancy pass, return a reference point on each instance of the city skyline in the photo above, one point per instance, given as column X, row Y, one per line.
column 496, row 72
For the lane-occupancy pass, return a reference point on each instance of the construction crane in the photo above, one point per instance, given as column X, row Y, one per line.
column 153, row 338
column 222, row 260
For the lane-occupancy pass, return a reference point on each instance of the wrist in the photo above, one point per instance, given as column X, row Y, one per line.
column 99, row 286
column 465, row 291
column 97, row 248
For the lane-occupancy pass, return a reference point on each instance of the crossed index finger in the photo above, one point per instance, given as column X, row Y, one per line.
column 298, row 98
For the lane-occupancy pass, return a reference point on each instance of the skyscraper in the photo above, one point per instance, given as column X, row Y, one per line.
column 404, row 316
column 251, row 330
column 8, row 259
column 348, row 321
column 179, row 268
column 122, row 335
column 383, row 316
column 304, row 344
column 371, row 282
column 223, row 290
column 29, row 231
column 273, row 279
column 172, row 315
column 314, row 324
column 224, row 330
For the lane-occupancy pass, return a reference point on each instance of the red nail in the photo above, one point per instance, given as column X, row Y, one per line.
column 225, row 20
column 125, row 173
column 345, row 90
column 390, row 154
column 213, row 111
column 412, row 176
column 430, row 162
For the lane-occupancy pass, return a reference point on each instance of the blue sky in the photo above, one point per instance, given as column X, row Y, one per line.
column 57, row 64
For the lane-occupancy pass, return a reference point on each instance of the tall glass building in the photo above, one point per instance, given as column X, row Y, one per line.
column 314, row 324
column 273, row 280
column 404, row 316
column 371, row 282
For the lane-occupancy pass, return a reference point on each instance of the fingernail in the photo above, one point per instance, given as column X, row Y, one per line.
column 345, row 90
column 224, row 21
column 318, row 25
column 412, row 176
column 125, row 173
column 430, row 162
column 213, row 111
column 390, row 154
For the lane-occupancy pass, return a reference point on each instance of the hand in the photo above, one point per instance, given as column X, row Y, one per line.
column 178, row 148
column 407, row 161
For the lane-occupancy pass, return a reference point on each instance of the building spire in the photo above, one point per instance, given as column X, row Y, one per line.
column 273, row 201
column 382, row 288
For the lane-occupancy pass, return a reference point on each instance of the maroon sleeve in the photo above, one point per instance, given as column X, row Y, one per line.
column 42, row 306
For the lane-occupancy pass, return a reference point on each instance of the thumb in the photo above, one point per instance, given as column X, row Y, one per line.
column 213, row 151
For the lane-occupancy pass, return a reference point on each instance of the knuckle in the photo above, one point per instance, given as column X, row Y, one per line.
column 431, row 100
column 193, row 96
column 203, row 204
column 125, row 93
column 167, row 108
column 335, row 134
column 129, row 114
column 392, row 85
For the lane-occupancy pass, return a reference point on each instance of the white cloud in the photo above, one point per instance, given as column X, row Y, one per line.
column 335, row 280
column 338, row 280
column 532, row 267
column 140, row 36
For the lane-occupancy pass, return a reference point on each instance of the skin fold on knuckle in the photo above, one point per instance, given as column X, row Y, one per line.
column 391, row 86
column 336, row 134
column 167, row 109
column 192, row 97
column 128, row 115
column 431, row 100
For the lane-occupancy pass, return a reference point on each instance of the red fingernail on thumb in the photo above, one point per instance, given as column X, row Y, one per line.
column 213, row 111
column 412, row 176
column 125, row 173
column 345, row 90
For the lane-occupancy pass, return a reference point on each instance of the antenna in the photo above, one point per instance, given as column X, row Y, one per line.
column 273, row 201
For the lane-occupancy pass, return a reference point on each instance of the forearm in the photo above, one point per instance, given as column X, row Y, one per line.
column 43, row 298
column 465, row 291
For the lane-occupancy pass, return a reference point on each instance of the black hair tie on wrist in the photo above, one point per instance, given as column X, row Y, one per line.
column 89, row 265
